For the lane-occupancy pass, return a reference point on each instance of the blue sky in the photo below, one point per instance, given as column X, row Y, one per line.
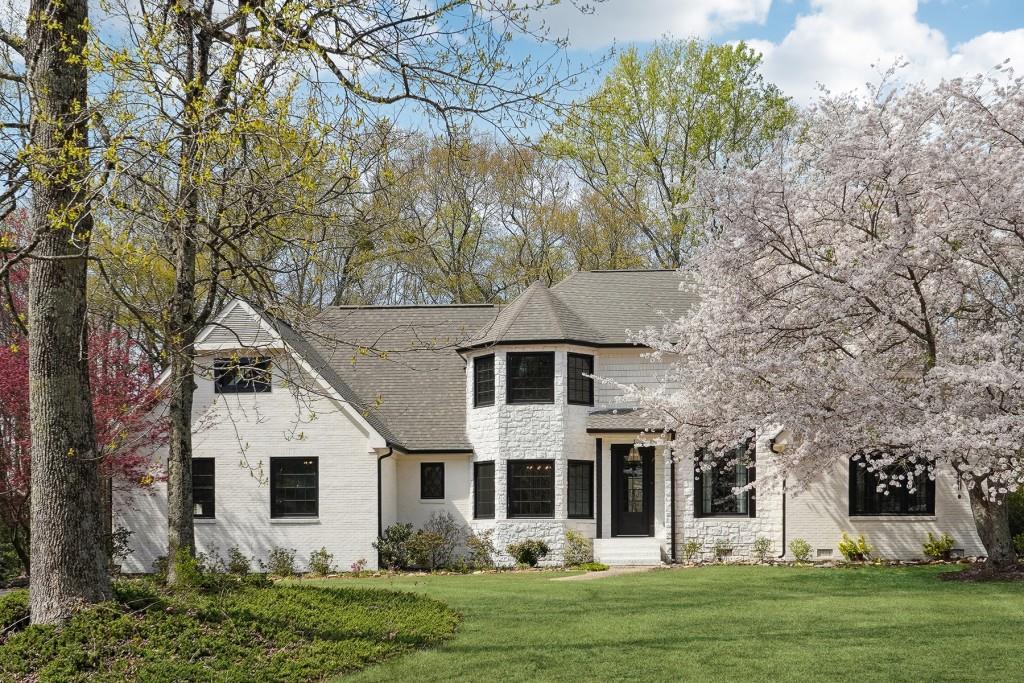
column 805, row 42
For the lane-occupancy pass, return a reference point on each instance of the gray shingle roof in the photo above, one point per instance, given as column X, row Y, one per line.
column 613, row 301
column 593, row 307
column 409, row 378
column 618, row 419
column 536, row 314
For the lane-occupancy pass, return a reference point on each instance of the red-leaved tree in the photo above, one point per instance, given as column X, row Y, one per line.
column 124, row 395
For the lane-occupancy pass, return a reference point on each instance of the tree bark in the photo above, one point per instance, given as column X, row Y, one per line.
column 182, row 332
column 69, row 566
column 993, row 522
column 180, row 525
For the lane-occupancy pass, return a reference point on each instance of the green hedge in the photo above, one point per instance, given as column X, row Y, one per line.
column 277, row 633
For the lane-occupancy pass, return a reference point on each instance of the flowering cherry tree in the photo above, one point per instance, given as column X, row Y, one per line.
column 864, row 288
column 123, row 397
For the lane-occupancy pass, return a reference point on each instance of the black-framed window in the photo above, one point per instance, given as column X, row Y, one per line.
column 580, row 388
column 867, row 500
column 531, row 488
column 581, row 489
column 483, row 381
column 530, row 377
column 294, row 487
column 432, row 480
column 203, row 488
column 483, row 490
column 714, row 489
column 243, row 375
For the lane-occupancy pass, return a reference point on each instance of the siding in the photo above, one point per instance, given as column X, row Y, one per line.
column 239, row 328
column 242, row 432
column 820, row 514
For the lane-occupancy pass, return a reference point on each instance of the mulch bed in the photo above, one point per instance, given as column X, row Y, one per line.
column 978, row 573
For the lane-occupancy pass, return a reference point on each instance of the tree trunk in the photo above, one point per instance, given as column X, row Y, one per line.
column 993, row 522
column 180, row 526
column 69, row 567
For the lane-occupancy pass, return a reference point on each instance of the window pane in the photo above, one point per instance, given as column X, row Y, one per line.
column 432, row 480
column 483, row 490
column 244, row 375
column 293, row 487
column 581, row 489
column 581, row 389
column 866, row 499
column 203, row 492
column 716, row 487
column 531, row 488
column 531, row 377
column 483, row 381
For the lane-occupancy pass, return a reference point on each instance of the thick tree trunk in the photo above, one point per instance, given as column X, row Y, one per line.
column 180, row 525
column 993, row 522
column 69, row 566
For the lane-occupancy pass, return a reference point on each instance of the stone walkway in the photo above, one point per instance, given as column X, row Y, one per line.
column 611, row 571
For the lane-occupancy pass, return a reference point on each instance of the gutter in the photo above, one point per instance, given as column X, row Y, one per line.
column 380, row 505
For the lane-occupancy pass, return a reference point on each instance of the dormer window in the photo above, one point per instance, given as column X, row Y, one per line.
column 242, row 375
column 530, row 377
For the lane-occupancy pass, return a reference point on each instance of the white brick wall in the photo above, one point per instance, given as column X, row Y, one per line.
column 739, row 532
column 242, row 432
column 820, row 514
column 458, row 471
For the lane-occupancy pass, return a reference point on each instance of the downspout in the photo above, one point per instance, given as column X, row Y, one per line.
column 783, row 552
column 380, row 503
column 672, row 501
column 672, row 509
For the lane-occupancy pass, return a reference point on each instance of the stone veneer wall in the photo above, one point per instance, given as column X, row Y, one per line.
column 740, row 532
column 544, row 431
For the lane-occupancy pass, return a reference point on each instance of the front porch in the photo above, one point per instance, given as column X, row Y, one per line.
column 635, row 502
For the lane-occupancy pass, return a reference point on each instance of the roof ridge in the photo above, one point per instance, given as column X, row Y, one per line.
column 394, row 306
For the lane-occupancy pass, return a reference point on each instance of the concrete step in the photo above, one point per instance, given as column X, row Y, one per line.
column 627, row 551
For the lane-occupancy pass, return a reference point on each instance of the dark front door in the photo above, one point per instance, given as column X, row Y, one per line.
column 632, row 492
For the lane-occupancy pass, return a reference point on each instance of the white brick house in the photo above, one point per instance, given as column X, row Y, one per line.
column 377, row 415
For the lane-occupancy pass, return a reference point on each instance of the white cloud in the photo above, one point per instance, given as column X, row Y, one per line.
column 843, row 44
column 625, row 21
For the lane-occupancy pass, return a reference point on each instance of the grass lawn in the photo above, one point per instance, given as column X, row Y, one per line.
column 718, row 623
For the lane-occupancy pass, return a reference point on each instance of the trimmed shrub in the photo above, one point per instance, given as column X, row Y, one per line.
column 450, row 533
column 321, row 562
column 592, row 566
column 762, row 548
column 1018, row 544
column 800, row 549
column 691, row 551
column 392, row 546
column 481, row 549
column 528, row 552
column 939, row 548
column 854, row 550
column 281, row 562
column 424, row 548
column 578, row 549
column 238, row 564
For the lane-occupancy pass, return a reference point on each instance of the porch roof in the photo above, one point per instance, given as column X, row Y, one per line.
column 618, row 420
